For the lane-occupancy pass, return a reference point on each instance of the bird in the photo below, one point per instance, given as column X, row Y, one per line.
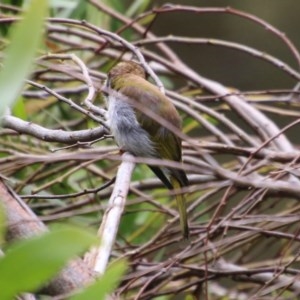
column 129, row 95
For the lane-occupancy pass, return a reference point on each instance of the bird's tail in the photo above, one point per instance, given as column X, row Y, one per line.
column 180, row 199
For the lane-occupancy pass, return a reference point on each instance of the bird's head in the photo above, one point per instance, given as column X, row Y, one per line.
column 127, row 67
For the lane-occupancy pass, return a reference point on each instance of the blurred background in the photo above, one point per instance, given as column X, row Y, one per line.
column 230, row 67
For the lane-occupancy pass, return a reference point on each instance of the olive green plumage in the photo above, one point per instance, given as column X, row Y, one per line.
column 130, row 99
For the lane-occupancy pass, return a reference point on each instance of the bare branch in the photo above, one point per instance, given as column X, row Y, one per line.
column 52, row 135
column 98, row 258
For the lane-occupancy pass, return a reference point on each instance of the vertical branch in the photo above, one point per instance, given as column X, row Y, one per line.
column 98, row 257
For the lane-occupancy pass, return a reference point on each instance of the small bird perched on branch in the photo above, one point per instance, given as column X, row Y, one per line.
column 133, row 104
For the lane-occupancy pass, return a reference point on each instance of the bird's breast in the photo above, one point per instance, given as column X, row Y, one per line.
column 127, row 131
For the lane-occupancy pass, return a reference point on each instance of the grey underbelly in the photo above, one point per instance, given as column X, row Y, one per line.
column 128, row 133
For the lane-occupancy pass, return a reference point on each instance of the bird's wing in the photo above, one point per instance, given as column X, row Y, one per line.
column 147, row 100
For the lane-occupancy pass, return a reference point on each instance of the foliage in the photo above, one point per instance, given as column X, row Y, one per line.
column 244, row 183
column 18, row 57
column 29, row 264
column 105, row 285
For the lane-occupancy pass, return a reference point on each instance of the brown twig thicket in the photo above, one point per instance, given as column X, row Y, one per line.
column 244, row 193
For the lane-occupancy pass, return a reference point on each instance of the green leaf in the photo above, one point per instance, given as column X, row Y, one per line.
column 19, row 108
column 104, row 285
column 25, row 38
column 29, row 264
